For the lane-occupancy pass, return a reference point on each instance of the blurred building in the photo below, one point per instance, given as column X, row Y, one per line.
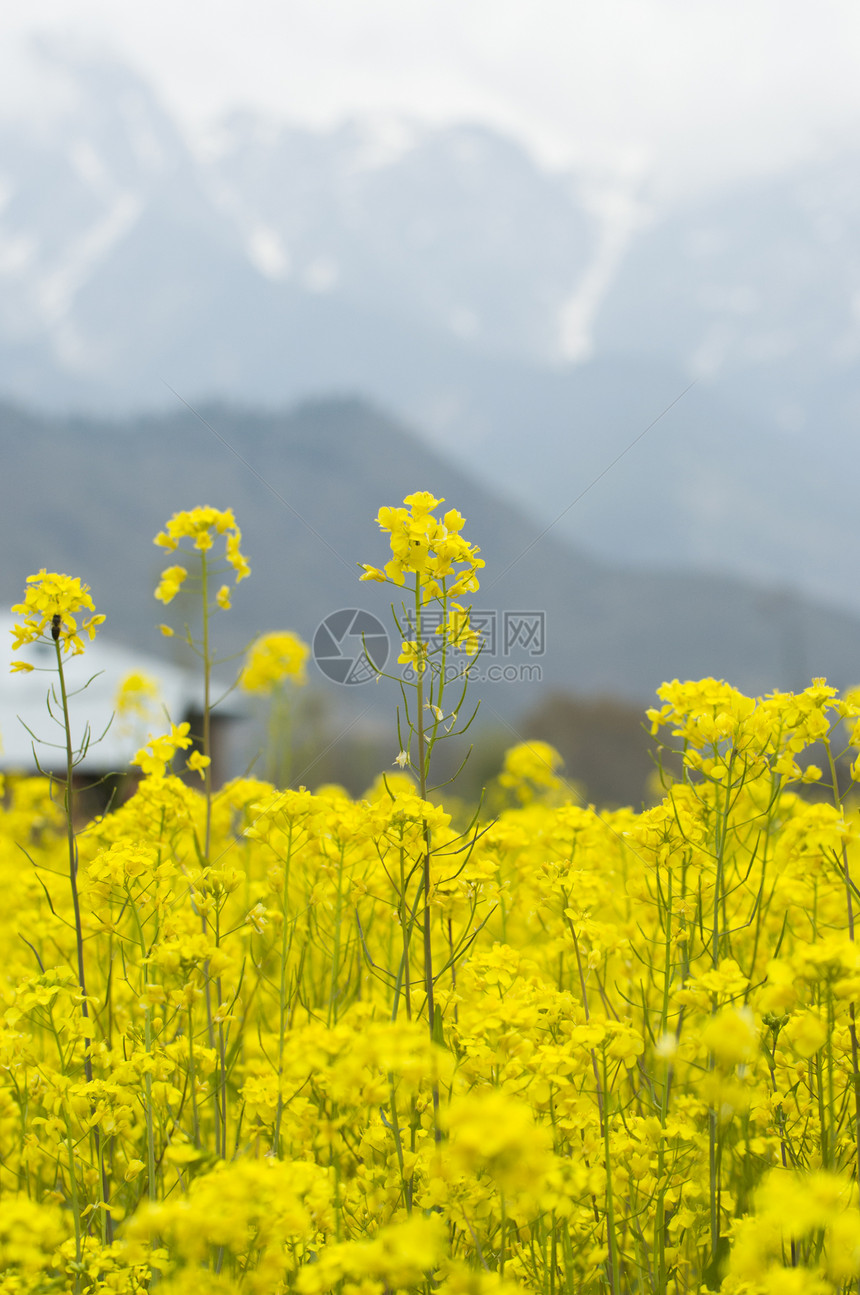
column 111, row 718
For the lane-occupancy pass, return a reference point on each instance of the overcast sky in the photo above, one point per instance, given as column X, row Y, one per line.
column 691, row 92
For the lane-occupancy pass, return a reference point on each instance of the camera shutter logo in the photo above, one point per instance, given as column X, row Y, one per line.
column 345, row 640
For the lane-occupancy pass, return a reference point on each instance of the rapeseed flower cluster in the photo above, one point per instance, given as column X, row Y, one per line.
column 202, row 526
column 273, row 659
column 530, row 768
column 426, row 547
column 136, row 695
column 50, row 611
column 639, row 1073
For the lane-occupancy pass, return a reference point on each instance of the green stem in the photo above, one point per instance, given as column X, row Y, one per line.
column 504, row 1236
column 207, row 700
column 398, row 1143
column 612, row 1241
column 335, row 959
column 406, row 931
column 69, row 805
column 279, row 754
column 150, row 1134
column 852, row 1011
column 221, row 1077
column 192, row 1077
column 660, row 1221
column 73, row 1188
column 423, row 762
column 220, row 1133
column 282, row 996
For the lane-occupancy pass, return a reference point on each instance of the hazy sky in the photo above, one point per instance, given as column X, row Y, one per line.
column 692, row 91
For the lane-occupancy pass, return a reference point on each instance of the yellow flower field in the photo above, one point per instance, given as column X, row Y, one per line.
column 262, row 1040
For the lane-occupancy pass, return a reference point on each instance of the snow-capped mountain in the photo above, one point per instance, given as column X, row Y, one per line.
column 758, row 291
column 532, row 324
column 455, row 230
column 125, row 255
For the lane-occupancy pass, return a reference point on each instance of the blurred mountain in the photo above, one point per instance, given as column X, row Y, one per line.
column 87, row 497
column 758, row 290
column 126, row 258
column 531, row 325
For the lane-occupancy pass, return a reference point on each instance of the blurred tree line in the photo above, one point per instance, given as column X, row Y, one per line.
column 605, row 744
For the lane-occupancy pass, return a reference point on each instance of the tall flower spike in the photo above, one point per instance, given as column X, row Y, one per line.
column 202, row 526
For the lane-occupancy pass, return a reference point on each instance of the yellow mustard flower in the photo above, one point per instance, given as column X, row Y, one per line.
column 135, row 695
column 172, row 579
column 272, row 659
column 198, row 762
column 424, row 546
column 531, row 766
column 50, row 610
column 414, row 654
column 159, row 751
column 201, row 526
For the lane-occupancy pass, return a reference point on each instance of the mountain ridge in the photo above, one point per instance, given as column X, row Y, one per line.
column 437, row 273
column 305, row 485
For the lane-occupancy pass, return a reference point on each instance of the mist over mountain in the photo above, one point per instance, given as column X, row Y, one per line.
column 88, row 496
column 530, row 325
